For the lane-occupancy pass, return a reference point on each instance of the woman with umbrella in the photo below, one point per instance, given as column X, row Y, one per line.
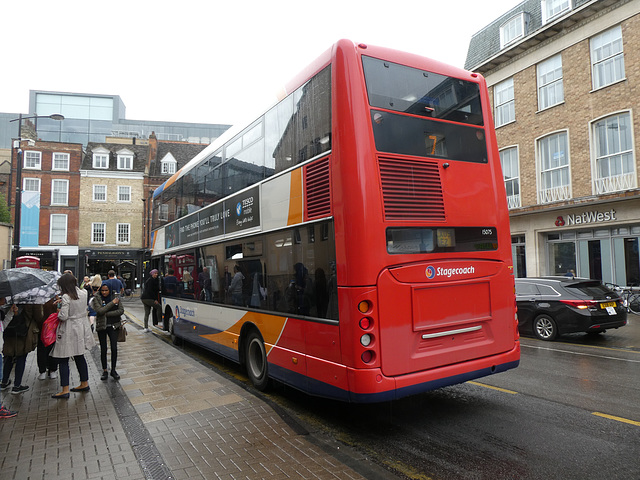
column 74, row 335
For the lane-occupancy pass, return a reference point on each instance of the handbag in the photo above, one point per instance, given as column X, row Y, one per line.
column 49, row 329
column 122, row 333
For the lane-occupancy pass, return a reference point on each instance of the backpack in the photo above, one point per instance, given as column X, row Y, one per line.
column 49, row 329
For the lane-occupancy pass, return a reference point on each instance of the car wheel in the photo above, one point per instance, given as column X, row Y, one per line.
column 256, row 361
column 545, row 328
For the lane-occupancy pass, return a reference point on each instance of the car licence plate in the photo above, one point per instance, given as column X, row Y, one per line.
column 607, row 304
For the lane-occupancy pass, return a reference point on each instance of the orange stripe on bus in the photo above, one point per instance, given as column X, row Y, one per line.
column 295, row 198
column 270, row 327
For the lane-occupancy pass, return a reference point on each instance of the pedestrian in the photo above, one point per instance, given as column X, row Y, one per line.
column 20, row 337
column 4, row 412
column 73, row 336
column 47, row 366
column 151, row 298
column 235, row 289
column 117, row 287
column 109, row 312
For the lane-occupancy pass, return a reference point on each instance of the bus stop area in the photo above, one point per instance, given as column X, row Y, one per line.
column 169, row 417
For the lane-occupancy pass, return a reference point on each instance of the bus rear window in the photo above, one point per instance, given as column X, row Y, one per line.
column 409, row 240
column 428, row 138
column 409, row 90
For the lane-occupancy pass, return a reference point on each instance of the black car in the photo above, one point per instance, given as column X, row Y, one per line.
column 551, row 306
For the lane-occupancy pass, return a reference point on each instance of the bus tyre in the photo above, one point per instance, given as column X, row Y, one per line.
column 545, row 328
column 174, row 338
column 256, row 361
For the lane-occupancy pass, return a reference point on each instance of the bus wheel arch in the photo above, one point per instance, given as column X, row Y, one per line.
column 253, row 356
column 169, row 320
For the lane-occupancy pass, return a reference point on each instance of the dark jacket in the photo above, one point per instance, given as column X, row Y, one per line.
column 106, row 313
column 151, row 289
column 15, row 346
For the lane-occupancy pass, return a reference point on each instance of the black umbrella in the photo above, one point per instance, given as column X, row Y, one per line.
column 41, row 294
column 17, row 280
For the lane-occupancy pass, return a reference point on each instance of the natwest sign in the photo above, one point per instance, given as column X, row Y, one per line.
column 593, row 216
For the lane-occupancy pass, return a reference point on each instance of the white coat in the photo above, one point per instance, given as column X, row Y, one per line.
column 74, row 334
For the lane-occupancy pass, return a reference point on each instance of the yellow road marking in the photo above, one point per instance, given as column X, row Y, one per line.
column 617, row 419
column 504, row 390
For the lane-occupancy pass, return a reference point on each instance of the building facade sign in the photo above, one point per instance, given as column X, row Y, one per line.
column 591, row 217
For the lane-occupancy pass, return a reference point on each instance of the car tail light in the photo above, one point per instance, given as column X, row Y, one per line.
column 581, row 304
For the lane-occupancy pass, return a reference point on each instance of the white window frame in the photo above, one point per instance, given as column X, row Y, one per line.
column 552, row 163
column 26, row 180
column 32, row 156
column 554, row 8
column 169, row 167
column 60, row 157
column 123, row 233
column 504, row 101
column 60, row 187
column 607, row 59
column 95, row 232
column 512, row 30
column 101, row 160
column 125, row 162
column 550, row 82
column 96, row 193
column 124, row 191
column 511, row 174
column 54, row 218
column 617, row 156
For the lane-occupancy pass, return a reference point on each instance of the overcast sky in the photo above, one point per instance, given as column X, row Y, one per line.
column 210, row 61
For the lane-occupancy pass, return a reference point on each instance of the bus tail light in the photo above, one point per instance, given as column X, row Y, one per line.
column 368, row 356
column 365, row 340
column 365, row 323
column 364, row 306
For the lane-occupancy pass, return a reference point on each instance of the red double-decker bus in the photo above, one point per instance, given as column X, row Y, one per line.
column 353, row 241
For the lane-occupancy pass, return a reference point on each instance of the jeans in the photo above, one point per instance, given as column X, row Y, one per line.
column 45, row 360
column 20, row 362
column 112, row 333
column 83, row 369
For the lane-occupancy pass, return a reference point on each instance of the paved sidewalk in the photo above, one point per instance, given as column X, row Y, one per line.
column 169, row 417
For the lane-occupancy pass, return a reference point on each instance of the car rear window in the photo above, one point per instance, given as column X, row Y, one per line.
column 590, row 289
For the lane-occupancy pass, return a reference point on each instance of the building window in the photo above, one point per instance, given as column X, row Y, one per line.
column 163, row 212
column 168, row 167
column 124, row 233
column 511, row 173
column 614, row 160
column 100, row 160
column 554, row 8
column 59, row 192
column 31, row 185
column 58, row 229
column 505, row 103
column 60, row 162
column 512, row 30
column 33, row 160
column 99, row 193
column 553, row 155
column 124, row 193
column 607, row 58
column 98, row 231
column 550, row 87
column 125, row 162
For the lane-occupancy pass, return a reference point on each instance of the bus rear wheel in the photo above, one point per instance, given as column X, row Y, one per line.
column 256, row 361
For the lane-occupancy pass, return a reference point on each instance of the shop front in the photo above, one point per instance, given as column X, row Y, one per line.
column 599, row 240
column 125, row 262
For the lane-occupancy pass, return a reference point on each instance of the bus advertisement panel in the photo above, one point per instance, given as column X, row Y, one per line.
column 353, row 241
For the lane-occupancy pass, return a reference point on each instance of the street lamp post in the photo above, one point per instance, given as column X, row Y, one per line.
column 18, row 204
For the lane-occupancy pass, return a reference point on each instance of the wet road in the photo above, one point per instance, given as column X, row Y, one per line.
column 570, row 411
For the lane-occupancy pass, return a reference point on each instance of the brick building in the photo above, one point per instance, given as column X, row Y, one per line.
column 50, row 181
column 563, row 77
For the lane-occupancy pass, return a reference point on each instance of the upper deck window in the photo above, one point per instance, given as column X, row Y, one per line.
column 419, row 92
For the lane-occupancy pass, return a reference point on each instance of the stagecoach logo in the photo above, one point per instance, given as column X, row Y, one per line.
column 432, row 272
column 182, row 313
